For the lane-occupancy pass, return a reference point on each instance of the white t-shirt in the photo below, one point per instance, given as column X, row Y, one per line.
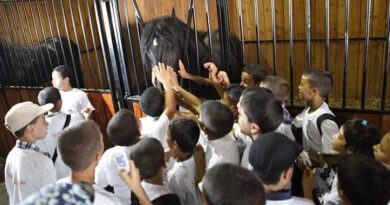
column 181, row 180
column 311, row 134
column 156, row 127
column 285, row 129
column 102, row 196
column 106, row 173
column 74, row 101
column 245, row 158
column 49, row 143
column 154, row 191
column 26, row 172
column 223, row 150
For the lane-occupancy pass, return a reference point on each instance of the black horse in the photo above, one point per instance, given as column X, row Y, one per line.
column 164, row 40
column 32, row 66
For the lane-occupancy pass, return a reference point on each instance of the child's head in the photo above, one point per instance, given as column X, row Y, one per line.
column 232, row 96
column 315, row 83
column 148, row 156
column 260, row 111
column 231, row 184
column 363, row 180
column 81, row 145
column 50, row 95
column 271, row 155
column 356, row 137
column 184, row 135
column 278, row 86
column 123, row 128
column 216, row 119
column 252, row 75
column 26, row 121
column 62, row 77
column 382, row 150
column 152, row 102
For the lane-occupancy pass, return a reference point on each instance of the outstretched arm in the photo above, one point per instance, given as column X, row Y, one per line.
column 215, row 79
column 162, row 74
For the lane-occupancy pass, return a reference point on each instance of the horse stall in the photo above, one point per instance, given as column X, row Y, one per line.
column 108, row 44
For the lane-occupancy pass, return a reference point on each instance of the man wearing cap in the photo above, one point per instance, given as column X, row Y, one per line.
column 27, row 168
column 272, row 156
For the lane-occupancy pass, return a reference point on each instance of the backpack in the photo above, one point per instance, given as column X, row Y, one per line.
column 327, row 116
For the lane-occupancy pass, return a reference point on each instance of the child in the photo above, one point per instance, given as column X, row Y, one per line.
column 81, row 146
column 382, row 151
column 183, row 136
column 57, row 122
column 272, row 156
column 123, row 132
column 152, row 101
column 252, row 75
column 27, row 168
column 232, row 184
column 363, row 180
column 148, row 157
column 216, row 121
column 260, row 112
column 73, row 100
column 315, row 86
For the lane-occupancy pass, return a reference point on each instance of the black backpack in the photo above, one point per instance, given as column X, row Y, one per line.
column 327, row 116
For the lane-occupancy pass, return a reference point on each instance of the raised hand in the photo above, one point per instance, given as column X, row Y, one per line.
column 183, row 72
column 213, row 70
column 162, row 74
column 223, row 79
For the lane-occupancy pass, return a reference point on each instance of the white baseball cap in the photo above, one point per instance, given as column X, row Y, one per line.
column 21, row 114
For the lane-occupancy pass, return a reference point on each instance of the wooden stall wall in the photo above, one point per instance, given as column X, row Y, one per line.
column 29, row 23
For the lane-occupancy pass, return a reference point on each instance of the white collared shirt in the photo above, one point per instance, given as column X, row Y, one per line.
column 223, row 150
column 74, row 101
column 154, row 191
column 181, row 180
column 156, row 127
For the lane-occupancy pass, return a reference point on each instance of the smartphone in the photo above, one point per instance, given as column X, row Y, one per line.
column 122, row 162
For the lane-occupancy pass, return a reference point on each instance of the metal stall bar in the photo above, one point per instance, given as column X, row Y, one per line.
column 346, row 41
column 273, row 36
column 326, row 34
column 290, row 23
column 308, row 57
column 44, row 36
column 77, row 41
column 59, row 33
column 9, row 66
column 129, row 36
column 223, row 25
column 51, row 34
column 366, row 44
column 94, row 45
column 256, row 5
column 139, row 21
column 209, row 28
column 196, row 37
column 241, row 28
column 386, row 66
column 115, row 19
column 14, row 48
column 108, row 73
column 32, row 44
column 85, row 43
column 25, row 41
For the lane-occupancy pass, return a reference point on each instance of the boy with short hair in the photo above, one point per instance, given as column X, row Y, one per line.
column 57, row 122
column 74, row 101
column 216, row 121
column 363, row 180
column 81, row 147
column 148, row 157
column 260, row 112
column 123, row 132
column 27, row 168
column 182, row 178
column 272, row 156
column 252, row 75
column 315, row 86
column 231, row 184
column 152, row 102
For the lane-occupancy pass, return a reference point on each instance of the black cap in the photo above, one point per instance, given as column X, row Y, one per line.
column 273, row 153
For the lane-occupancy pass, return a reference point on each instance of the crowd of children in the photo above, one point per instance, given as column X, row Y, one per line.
column 242, row 148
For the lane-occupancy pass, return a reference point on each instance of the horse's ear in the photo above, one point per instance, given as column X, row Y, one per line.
column 173, row 13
